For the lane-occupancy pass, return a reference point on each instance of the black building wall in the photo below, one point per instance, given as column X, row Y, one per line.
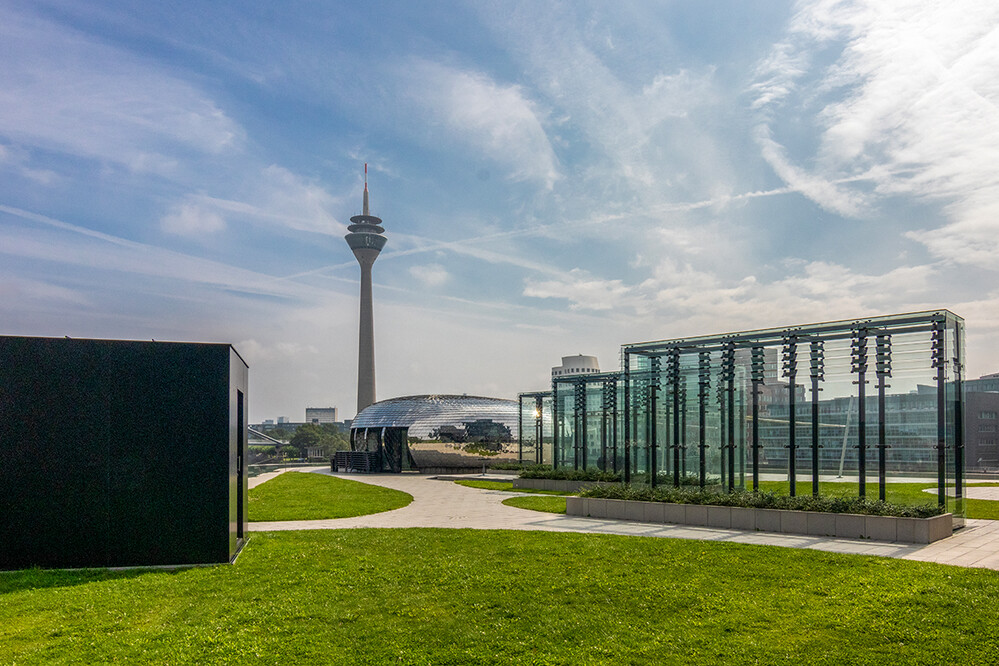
column 120, row 453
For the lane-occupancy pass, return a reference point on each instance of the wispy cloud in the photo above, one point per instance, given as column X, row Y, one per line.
column 583, row 291
column 15, row 290
column 491, row 118
column 909, row 106
column 78, row 246
column 68, row 93
column 191, row 220
column 431, row 275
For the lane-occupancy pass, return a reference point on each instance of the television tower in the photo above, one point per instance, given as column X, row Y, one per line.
column 366, row 241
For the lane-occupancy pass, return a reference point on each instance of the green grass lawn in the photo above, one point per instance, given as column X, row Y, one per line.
column 425, row 596
column 307, row 496
column 505, row 485
column 531, row 499
column 537, row 503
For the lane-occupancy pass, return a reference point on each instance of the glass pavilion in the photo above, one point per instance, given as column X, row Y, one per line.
column 870, row 402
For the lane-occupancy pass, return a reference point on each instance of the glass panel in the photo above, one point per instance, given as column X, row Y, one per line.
column 826, row 389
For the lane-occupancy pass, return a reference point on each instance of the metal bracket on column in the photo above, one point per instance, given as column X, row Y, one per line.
column 938, row 344
column 858, row 365
column 728, row 382
column 883, row 371
column 655, row 372
column 609, row 404
column 757, row 377
column 703, row 393
column 579, row 424
column 789, row 362
column 673, row 377
column 817, row 371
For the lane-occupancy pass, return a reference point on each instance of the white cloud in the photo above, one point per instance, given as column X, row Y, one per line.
column 431, row 275
column 636, row 114
column 257, row 351
column 192, row 220
column 494, row 119
column 19, row 160
column 583, row 291
column 67, row 93
column 71, row 245
column 279, row 197
column 691, row 299
column 816, row 187
column 908, row 107
column 16, row 291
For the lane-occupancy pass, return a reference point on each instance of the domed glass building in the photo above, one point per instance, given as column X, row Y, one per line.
column 432, row 433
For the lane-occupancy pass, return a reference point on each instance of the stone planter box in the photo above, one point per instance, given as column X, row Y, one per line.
column 813, row 523
column 560, row 485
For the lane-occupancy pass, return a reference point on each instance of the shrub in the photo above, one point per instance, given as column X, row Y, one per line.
column 479, row 450
column 509, row 465
column 688, row 479
column 684, row 495
column 567, row 474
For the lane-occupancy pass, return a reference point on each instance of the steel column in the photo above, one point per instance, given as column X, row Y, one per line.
column 627, row 418
column 883, row 370
column 673, row 368
column 579, row 424
column 817, row 367
column 728, row 375
column 756, row 375
column 958, row 421
column 790, row 369
column 652, row 431
column 859, row 362
column 938, row 345
column 703, row 391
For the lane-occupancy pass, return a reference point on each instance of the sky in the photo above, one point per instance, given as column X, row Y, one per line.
column 554, row 178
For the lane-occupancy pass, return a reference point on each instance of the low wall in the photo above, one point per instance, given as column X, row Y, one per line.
column 560, row 485
column 813, row 523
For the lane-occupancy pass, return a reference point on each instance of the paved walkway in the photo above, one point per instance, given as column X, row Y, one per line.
column 442, row 503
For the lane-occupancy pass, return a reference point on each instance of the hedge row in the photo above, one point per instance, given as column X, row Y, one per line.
column 763, row 500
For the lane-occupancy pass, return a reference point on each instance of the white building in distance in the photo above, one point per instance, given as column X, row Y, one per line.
column 576, row 365
column 321, row 415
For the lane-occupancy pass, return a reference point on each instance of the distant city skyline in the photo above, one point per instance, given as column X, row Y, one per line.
column 559, row 178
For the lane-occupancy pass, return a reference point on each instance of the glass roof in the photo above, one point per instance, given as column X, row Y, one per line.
column 423, row 414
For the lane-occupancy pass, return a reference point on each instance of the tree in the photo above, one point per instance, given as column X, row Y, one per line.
column 279, row 433
column 313, row 436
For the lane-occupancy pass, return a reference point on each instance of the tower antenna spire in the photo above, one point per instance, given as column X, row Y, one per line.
column 365, row 211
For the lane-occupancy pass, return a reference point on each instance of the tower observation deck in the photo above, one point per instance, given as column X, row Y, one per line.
column 366, row 240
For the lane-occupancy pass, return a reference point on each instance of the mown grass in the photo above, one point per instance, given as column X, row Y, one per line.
column 537, row 503
column 307, row 496
column 425, row 596
column 533, row 500
column 505, row 485
column 483, row 484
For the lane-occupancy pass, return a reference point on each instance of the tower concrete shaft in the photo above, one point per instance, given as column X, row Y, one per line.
column 366, row 336
column 366, row 240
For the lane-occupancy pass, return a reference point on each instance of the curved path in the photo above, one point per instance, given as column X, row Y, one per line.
column 443, row 503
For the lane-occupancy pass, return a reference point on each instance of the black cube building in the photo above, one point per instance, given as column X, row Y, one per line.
column 121, row 453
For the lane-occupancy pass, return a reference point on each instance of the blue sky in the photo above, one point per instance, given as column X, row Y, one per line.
column 554, row 178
